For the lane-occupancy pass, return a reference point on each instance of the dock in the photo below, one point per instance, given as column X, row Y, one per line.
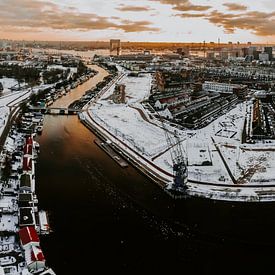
column 109, row 150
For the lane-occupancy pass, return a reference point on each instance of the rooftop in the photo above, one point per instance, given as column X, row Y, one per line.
column 28, row 235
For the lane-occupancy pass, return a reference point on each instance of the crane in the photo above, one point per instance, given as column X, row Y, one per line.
column 179, row 164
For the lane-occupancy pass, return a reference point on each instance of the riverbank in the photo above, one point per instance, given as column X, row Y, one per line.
column 22, row 219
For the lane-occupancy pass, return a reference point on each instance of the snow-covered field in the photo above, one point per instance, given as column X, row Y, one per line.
column 137, row 88
column 127, row 124
column 219, row 165
column 7, row 84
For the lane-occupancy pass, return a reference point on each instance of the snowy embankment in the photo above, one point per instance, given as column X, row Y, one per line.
column 125, row 127
column 144, row 164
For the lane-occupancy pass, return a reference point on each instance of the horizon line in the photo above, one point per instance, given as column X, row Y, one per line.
column 151, row 42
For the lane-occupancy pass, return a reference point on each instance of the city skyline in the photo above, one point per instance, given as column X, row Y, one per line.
column 142, row 20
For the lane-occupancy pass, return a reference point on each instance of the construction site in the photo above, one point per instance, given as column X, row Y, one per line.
column 219, row 160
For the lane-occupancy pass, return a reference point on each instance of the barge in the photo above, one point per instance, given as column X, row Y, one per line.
column 106, row 147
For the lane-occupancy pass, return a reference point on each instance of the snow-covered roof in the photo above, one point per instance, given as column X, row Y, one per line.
column 37, row 254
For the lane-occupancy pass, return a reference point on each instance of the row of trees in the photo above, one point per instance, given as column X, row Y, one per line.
column 54, row 75
column 22, row 74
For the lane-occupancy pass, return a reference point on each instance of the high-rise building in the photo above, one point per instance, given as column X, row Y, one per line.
column 256, row 55
column 252, row 50
column 264, row 57
column 184, row 51
column 115, row 46
column 244, row 52
column 269, row 51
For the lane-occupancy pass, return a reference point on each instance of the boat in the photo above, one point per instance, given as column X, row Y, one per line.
column 44, row 222
column 36, row 146
column 106, row 146
column 39, row 129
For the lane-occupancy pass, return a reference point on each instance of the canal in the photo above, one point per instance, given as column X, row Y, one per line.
column 105, row 218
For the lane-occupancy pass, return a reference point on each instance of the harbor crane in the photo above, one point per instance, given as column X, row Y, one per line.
column 179, row 164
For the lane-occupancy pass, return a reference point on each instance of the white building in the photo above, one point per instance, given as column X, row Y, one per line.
column 263, row 57
column 227, row 88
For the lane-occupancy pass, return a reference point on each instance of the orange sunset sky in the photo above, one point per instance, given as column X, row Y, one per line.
column 139, row 20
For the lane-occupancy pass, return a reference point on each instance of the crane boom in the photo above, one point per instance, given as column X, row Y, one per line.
column 179, row 164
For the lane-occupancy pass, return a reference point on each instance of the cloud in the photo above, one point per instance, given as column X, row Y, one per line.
column 184, row 5
column 44, row 14
column 259, row 23
column 139, row 26
column 235, row 7
column 191, row 15
column 133, row 8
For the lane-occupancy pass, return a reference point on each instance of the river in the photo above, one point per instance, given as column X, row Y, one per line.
column 108, row 219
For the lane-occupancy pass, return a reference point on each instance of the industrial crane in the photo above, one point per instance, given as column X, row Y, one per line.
column 179, row 164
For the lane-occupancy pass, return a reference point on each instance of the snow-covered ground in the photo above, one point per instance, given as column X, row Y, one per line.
column 10, row 101
column 148, row 139
column 137, row 88
column 7, row 103
column 127, row 124
column 4, row 112
column 8, row 204
column 7, row 244
column 9, row 223
column 219, row 165
column 7, row 84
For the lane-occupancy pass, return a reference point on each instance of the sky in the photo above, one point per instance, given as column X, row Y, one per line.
column 139, row 20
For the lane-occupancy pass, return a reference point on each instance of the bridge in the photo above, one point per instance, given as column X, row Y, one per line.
column 56, row 110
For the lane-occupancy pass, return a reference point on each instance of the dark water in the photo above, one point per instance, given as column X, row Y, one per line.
column 108, row 219
column 112, row 219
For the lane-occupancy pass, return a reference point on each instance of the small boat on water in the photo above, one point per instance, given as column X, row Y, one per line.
column 36, row 146
column 39, row 129
column 44, row 222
